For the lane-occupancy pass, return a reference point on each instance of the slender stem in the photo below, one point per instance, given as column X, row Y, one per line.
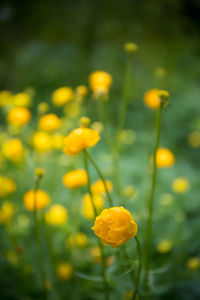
column 37, row 238
column 151, row 198
column 101, row 176
column 137, row 282
column 106, row 288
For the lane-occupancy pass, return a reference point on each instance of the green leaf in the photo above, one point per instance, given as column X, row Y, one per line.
column 89, row 277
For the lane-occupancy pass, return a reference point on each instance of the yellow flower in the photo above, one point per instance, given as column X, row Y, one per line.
column 194, row 139
column 13, row 150
column 127, row 136
column 164, row 158
column 75, row 179
column 80, row 139
column 180, row 185
column 130, row 191
column 42, row 107
column 151, row 99
column 115, row 226
column 166, row 199
column 72, row 110
column 19, row 116
column 56, row 215
column 97, row 126
column 22, row 99
column 95, row 252
column 6, row 212
column 62, row 95
column 81, row 92
column 64, row 271
column 57, row 141
column 88, row 210
column 79, row 240
column 5, row 98
column 41, row 141
column 99, row 188
column 40, row 199
column 7, row 186
column 49, row 122
column 164, row 246
column 130, row 47
column 193, row 263
column 100, row 82
column 84, row 122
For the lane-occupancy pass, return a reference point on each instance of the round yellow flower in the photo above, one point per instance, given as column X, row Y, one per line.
column 22, row 99
column 164, row 158
column 151, row 99
column 41, row 141
column 80, row 139
column 62, row 95
column 81, row 92
column 49, row 122
column 130, row 47
column 194, row 139
column 56, row 215
column 193, row 263
column 64, row 271
column 115, row 226
column 40, row 199
column 75, row 179
column 57, row 141
column 99, row 188
column 164, row 246
column 5, row 98
column 19, row 116
column 7, row 186
column 100, row 82
column 88, row 210
column 6, row 212
column 84, row 122
column 13, row 150
column 180, row 185
column 42, row 107
column 79, row 240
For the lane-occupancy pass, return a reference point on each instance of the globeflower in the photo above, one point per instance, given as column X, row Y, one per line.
column 5, row 98
column 38, row 200
column 79, row 240
column 62, row 95
column 88, row 210
column 75, row 179
column 64, row 271
column 100, row 82
column 49, row 122
column 81, row 92
column 56, row 215
column 6, row 212
column 19, row 116
column 57, row 141
column 193, row 263
column 115, row 226
column 99, row 188
column 164, row 158
column 180, row 185
column 80, row 139
column 22, row 99
column 151, row 98
column 13, row 150
column 164, row 246
column 41, row 141
column 7, row 186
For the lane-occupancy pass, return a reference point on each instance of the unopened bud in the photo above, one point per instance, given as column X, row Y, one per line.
column 39, row 172
column 84, row 122
column 163, row 97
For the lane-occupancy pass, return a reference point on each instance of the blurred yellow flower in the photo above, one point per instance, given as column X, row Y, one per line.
column 38, row 200
column 164, row 246
column 151, row 98
column 166, row 199
column 164, row 158
column 41, row 141
column 79, row 240
column 6, row 212
column 56, row 215
column 5, row 98
column 13, row 150
column 99, row 188
column 72, row 110
column 115, row 226
column 84, row 122
column 95, row 252
column 7, row 186
column 127, row 136
column 194, row 139
column 49, row 122
column 22, row 99
column 180, row 185
column 130, row 191
column 80, row 139
column 75, row 179
column 160, row 72
column 97, row 126
column 19, row 116
column 88, row 210
column 100, row 82
column 64, row 271
column 130, row 47
column 57, row 141
column 62, row 95
column 193, row 263
column 42, row 107
column 81, row 91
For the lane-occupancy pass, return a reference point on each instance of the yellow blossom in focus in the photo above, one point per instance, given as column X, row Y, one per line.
column 115, row 226
column 19, row 116
column 130, row 47
column 95, row 252
column 41, row 141
column 57, row 141
column 49, row 122
column 38, row 200
column 64, row 271
column 62, row 95
column 164, row 246
column 151, row 99
column 81, row 92
column 13, row 150
column 164, row 158
column 5, row 98
column 6, row 212
column 99, row 188
column 80, row 139
column 194, row 139
column 88, row 210
column 42, row 107
column 75, row 179
column 97, row 126
column 193, row 263
column 100, row 83
column 22, row 99
column 56, row 215
column 180, row 185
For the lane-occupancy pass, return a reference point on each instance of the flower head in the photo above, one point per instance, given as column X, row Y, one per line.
column 164, row 246
column 115, row 226
column 193, row 263
column 100, row 82
column 151, row 98
column 56, row 215
column 7, row 186
column 99, row 188
column 180, row 185
column 62, row 95
column 49, row 122
column 75, row 179
column 164, row 158
column 19, row 116
column 41, row 141
column 38, row 200
column 6, row 212
column 22, row 99
column 130, row 47
column 80, row 139
column 13, row 150
column 64, row 271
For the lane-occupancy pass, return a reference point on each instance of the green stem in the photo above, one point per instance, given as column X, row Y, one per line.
column 37, row 238
column 106, row 288
column 137, row 282
column 152, row 193
column 101, row 176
